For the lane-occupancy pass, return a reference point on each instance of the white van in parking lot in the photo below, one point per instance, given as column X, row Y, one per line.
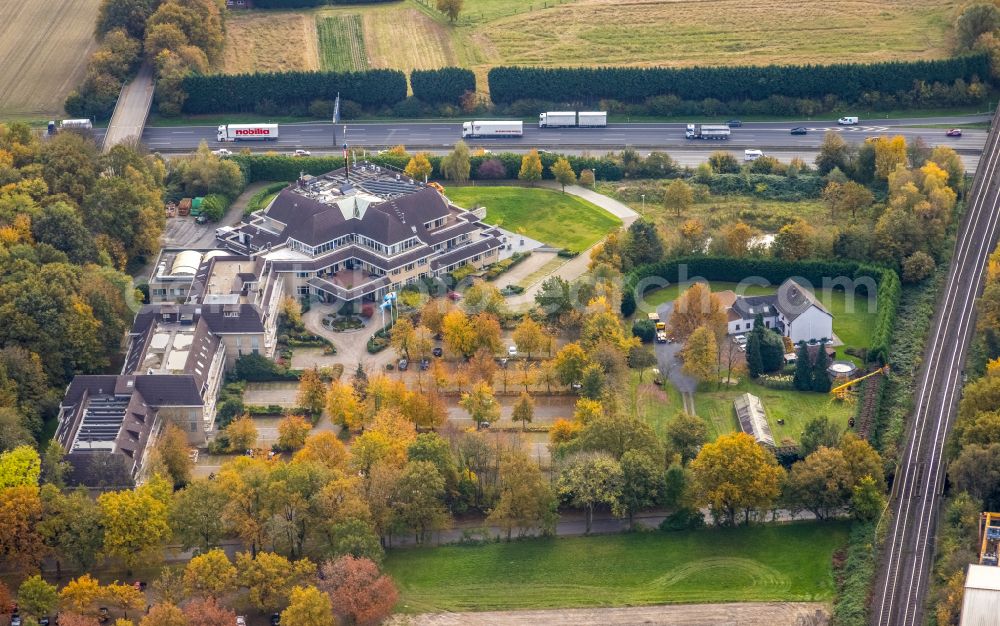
column 752, row 154
column 848, row 121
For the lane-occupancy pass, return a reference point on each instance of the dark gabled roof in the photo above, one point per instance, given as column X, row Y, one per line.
column 313, row 222
column 748, row 307
column 249, row 319
column 464, row 252
column 793, row 300
column 352, row 252
column 349, row 294
column 169, row 390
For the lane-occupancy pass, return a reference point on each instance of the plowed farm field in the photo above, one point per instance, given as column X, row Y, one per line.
column 44, row 45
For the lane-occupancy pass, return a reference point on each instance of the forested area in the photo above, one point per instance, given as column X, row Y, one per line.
column 71, row 220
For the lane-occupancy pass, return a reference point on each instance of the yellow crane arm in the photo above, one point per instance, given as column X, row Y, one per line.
column 842, row 388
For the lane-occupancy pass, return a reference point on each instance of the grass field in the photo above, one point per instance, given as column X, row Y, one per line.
column 721, row 32
column 787, row 562
column 271, row 42
column 341, row 43
column 719, row 210
column 715, row 406
column 554, row 218
column 853, row 322
column 44, row 48
column 412, row 34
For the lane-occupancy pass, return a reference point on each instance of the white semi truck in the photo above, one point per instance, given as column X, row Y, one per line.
column 247, row 132
column 572, row 119
column 707, row 131
column 492, row 129
column 557, row 119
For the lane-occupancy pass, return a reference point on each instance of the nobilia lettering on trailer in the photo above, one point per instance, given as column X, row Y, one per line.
column 244, row 132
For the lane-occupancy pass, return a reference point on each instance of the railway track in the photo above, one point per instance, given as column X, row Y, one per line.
column 901, row 584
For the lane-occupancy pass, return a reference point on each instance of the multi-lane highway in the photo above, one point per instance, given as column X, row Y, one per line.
column 643, row 136
column 901, row 585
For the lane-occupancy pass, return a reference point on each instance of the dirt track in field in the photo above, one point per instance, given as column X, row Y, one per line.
column 730, row 614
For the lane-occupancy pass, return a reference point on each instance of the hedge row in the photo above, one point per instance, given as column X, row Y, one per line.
column 775, row 271
column 630, row 84
column 257, row 167
column 445, row 85
column 222, row 93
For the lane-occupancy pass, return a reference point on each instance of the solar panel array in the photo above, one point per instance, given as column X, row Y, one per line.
column 102, row 420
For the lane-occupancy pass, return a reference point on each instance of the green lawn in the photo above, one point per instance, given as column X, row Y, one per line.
column 853, row 323
column 765, row 563
column 715, row 406
column 555, row 218
column 655, row 405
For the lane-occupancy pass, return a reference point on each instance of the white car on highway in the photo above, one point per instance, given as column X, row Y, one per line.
column 302, row 153
column 222, row 152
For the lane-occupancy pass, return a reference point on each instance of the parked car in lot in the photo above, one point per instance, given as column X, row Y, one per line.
column 740, row 340
column 438, row 352
column 276, row 619
column 954, row 132
column 403, row 364
column 424, row 364
column 512, row 351
column 734, row 123
column 799, row 130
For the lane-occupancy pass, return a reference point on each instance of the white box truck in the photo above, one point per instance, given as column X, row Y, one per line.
column 593, row 119
column 247, row 132
column 81, row 124
column 492, row 129
column 557, row 119
column 707, row 131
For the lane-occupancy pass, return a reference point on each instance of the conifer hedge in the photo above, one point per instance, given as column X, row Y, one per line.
column 229, row 93
column 635, row 84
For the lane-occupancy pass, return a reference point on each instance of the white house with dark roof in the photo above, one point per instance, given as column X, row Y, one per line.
column 357, row 233
column 793, row 310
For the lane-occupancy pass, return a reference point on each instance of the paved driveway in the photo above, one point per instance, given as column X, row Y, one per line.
column 667, row 354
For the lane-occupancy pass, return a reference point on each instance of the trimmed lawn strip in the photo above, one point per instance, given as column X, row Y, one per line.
column 554, row 218
column 789, row 562
column 852, row 321
column 715, row 406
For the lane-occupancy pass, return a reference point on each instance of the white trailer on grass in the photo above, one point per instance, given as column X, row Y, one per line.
column 492, row 129
column 247, row 132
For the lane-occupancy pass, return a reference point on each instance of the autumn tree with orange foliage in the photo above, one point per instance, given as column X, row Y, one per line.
column 359, row 592
column 697, row 306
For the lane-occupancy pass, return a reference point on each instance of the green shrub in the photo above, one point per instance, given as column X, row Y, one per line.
column 447, row 84
column 256, row 367
column 645, row 330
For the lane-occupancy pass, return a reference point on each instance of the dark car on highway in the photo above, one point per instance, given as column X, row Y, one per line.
column 799, row 130
column 734, row 124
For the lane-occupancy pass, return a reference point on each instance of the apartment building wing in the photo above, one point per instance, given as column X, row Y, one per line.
column 121, row 416
column 355, row 234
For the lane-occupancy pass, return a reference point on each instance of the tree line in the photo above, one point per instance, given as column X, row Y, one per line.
column 973, row 456
column 627, row 84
